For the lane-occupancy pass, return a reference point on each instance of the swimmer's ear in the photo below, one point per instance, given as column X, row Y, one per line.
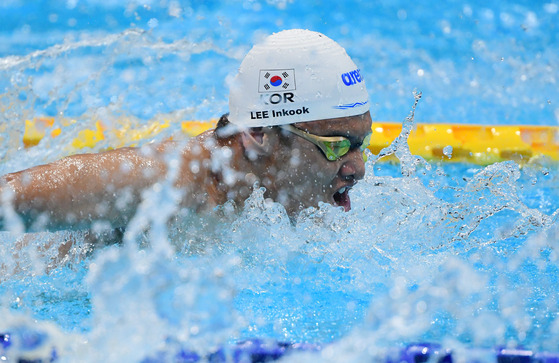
column 255, row 143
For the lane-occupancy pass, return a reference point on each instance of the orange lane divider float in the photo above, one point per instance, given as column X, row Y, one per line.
column 478, row 144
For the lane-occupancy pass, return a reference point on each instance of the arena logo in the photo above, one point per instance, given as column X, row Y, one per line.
column 352, row 77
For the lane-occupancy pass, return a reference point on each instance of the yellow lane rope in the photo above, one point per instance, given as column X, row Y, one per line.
column 479, row 144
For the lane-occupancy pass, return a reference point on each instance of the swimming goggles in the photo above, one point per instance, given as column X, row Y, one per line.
column 333, row 147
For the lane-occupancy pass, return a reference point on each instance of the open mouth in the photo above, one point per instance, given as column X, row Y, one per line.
column 341, row 198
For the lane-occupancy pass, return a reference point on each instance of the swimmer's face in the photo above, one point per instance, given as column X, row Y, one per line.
column 307, row 177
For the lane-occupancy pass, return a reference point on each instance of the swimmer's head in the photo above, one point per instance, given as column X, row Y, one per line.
column 296, row 76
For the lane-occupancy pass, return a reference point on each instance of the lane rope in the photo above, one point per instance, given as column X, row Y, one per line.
column 477, row 144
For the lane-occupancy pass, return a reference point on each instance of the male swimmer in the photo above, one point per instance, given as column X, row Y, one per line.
column 298, row 124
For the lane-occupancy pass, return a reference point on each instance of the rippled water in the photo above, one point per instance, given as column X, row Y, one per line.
column 457, row 254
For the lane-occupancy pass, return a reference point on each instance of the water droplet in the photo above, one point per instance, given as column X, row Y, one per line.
column 447, row 151
column 152, row 23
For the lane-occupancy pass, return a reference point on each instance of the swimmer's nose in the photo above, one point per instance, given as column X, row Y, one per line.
column 353, row 167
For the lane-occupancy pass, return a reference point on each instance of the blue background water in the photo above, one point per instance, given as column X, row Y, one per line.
column 474, row 62
column 458, row 254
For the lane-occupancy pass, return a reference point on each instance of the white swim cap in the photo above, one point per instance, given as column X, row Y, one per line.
column 296, row 76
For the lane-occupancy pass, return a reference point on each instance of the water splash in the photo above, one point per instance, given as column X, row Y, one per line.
column 400, row 148
column 80, row 82
column 389, row 271
column 432, row 252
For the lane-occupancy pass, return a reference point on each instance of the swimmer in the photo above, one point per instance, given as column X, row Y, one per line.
column 298, row 125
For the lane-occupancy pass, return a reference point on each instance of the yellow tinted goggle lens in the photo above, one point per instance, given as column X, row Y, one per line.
column 365, row 145
column 366, row 142
column 336, row 149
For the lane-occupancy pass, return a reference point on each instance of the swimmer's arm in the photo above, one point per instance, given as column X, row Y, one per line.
column 77, row 191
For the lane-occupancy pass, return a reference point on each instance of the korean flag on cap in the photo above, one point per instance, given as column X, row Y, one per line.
column 276, row 80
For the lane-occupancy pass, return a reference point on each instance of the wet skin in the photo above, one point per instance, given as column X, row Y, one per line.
column 308, row 177
column 77, row 191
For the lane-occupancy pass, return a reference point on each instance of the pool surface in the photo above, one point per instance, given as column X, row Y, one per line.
column 456, row 254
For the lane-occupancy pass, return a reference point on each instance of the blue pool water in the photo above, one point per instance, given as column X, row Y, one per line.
column 462, row 255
